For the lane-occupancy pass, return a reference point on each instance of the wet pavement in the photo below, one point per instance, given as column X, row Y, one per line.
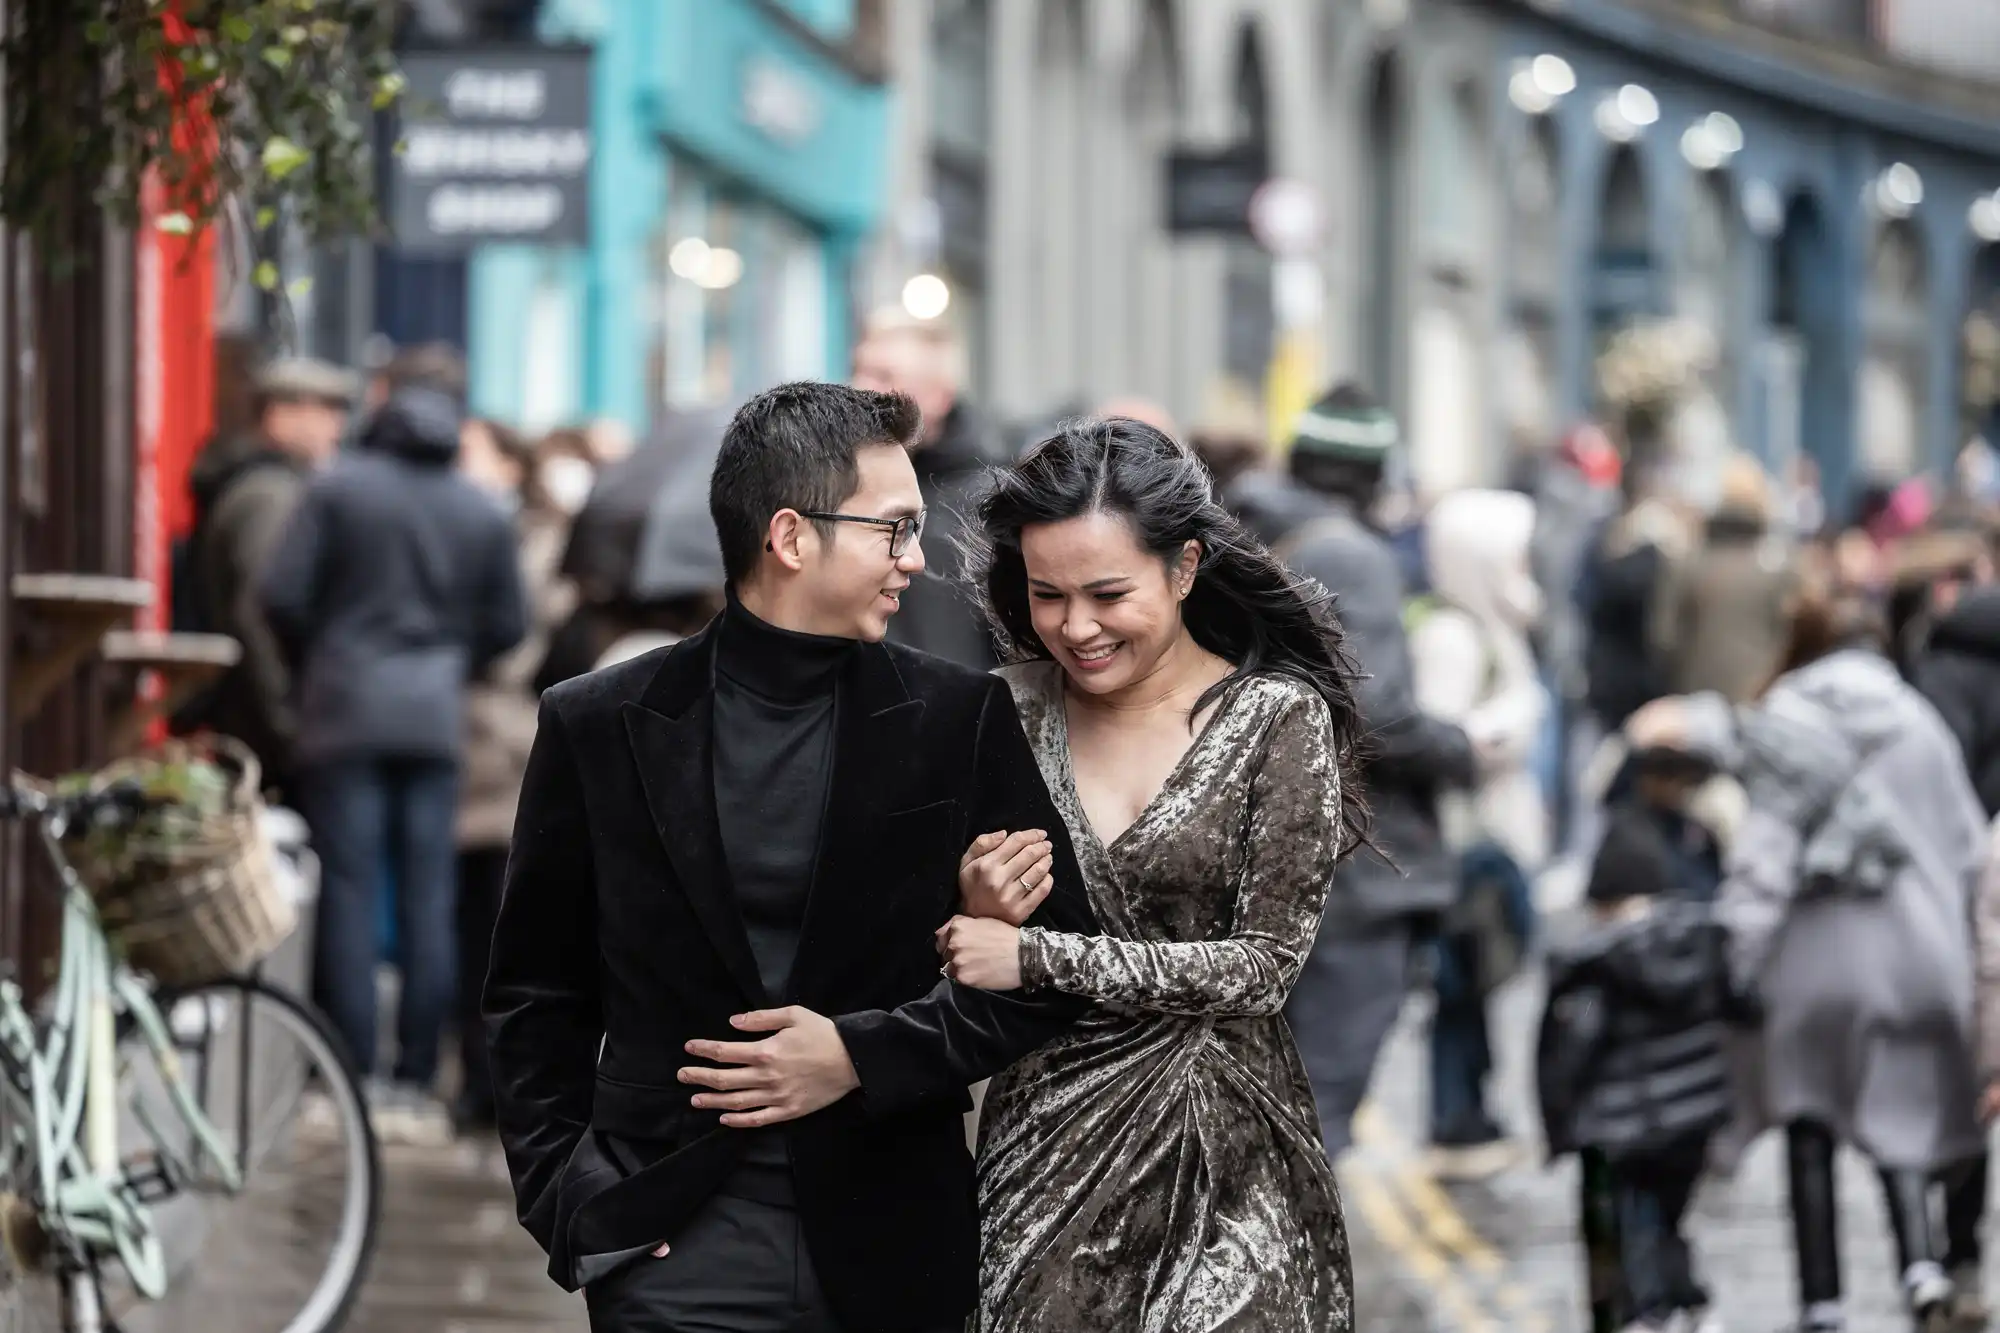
column 452, row 1259
column 449, row 1258
column 1501, row 1255
column 1497, row 1256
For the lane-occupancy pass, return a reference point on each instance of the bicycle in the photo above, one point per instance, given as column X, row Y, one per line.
column 150, row 1127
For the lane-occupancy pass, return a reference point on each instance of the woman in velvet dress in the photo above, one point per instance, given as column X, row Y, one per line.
column 1160, row 1166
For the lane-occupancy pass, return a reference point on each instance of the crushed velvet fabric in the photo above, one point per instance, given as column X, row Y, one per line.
column 1159, row 1168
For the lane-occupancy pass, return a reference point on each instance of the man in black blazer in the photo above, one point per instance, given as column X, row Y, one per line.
column 730, row 1080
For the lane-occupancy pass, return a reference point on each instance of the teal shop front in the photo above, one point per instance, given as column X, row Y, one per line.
column 737, row 163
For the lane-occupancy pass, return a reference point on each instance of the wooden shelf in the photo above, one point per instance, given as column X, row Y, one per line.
column 61, row 620
column 183, row 662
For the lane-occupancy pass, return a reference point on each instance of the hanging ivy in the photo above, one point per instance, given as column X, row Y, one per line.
column 252, row 108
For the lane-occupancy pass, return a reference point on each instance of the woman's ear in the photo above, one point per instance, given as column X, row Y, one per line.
column 1184, row 568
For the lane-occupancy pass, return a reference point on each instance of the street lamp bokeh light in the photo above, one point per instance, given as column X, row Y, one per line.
column 1710, row 142
column 1553, row 76
column 1724, row 132
column 723, row 269
column 1985, row 217
column 1527, row 93
column 1638, row 105
column 1699, row 148
column 926, row 296
column 1612, row 122
column 1899, row 190
column 689, row 258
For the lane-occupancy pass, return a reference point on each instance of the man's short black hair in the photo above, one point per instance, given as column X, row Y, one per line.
column 793, row 447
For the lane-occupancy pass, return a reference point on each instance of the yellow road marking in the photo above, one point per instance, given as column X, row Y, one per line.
column 1378, row 1205
column 1441, row 1248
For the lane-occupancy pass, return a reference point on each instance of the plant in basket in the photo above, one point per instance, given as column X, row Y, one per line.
column 184, row 886
column 183, row 792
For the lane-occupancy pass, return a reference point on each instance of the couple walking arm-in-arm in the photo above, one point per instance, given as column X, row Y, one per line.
column 602, row 978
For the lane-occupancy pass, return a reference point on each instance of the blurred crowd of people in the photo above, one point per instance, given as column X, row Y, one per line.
column 1766, row 745
column 1582, row 668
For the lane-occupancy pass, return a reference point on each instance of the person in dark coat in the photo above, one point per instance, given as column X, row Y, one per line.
column 396, row 583
column 1959, row 672
column 245, row 489
column 1618, row 596
column 1385, row 899
column 730, row 862
column 925, row 359
column 1630, row 1062
column 1272, row 504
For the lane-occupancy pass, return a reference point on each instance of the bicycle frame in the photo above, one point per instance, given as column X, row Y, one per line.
column 67, row 1075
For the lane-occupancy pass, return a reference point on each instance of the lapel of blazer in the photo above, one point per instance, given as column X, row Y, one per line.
column 671, row 730
column 874, row 771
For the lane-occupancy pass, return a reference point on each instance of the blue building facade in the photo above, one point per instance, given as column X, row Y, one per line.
column 1821, row 217
column 738, row 163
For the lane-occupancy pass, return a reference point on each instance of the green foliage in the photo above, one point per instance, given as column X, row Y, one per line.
column 183, row 796
column 263, row 104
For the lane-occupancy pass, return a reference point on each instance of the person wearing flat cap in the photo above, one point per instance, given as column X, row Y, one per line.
column 245, row 490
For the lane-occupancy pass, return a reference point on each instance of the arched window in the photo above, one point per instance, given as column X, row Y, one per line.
column 1152, row 114
column 1534, row 233
column 1456, row 166
column 1248, row 320
column 1061, row 160
column 1623, row 269
column 1534, row 212
column 1384, row 209
column 1889, row 413
column 1706, row 293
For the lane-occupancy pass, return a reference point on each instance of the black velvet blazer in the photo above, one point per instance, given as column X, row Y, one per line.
column 619, row 941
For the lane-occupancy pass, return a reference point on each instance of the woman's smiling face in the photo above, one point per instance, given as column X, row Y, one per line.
column 1106, row 608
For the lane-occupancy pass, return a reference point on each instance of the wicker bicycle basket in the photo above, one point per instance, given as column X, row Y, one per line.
column 187, row 895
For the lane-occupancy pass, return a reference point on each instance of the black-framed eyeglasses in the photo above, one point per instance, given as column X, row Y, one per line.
column 902, row 531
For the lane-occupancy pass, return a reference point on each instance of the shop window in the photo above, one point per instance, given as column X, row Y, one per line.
column 1447, row 419
column 740, row 297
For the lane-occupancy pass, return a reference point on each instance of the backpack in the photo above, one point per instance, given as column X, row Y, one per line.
column 187, row 586
column 1493, row 919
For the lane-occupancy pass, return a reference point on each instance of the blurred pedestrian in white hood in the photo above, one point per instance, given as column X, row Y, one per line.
column 1469, row 644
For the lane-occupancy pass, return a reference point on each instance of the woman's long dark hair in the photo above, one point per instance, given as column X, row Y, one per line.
column 1245, row 606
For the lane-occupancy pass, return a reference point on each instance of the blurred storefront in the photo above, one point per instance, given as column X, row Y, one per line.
column 1506, row 185
column 737, row 166
column 1780, row 176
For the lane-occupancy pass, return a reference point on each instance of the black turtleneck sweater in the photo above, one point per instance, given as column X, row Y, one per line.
column 774, row 707
column 773, row 758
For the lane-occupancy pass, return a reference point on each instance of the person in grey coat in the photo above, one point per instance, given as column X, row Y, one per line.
column 1848, row 893
column 1385, row 898
column 397, row 583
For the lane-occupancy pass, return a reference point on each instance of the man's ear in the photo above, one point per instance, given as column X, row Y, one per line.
column 783, row 538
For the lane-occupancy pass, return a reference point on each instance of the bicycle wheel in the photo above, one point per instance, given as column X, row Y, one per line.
column 31, row 1281
column 288, row 1248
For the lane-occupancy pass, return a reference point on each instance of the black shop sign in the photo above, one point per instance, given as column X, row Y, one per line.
column 1211, row 191
column 494, row 146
